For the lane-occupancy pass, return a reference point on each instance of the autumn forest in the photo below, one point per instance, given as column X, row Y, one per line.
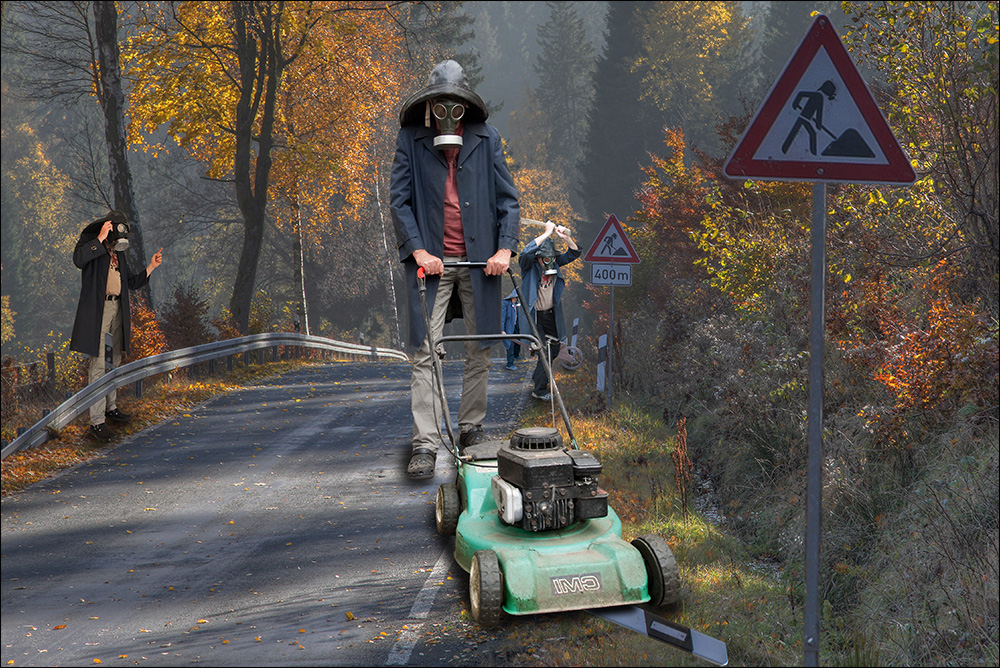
column 252, row 141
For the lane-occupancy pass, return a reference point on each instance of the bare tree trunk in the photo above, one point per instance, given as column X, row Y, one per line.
column 113, row 103
column 300, row 269
column 260, row 69
column 389, row 260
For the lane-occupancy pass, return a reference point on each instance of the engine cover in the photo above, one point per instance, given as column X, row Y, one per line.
column 544, row 486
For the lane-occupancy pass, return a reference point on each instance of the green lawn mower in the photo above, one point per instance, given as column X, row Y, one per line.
column 534, row 530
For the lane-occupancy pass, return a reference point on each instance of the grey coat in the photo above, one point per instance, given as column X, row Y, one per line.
column 490, row 214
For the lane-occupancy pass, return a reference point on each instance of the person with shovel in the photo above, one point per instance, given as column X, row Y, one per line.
column 452, row 199
column 810, row 107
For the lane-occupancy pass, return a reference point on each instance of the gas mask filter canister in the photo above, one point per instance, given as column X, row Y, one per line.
column 119, row 236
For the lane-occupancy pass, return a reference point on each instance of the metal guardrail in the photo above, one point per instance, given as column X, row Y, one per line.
column 154, row 365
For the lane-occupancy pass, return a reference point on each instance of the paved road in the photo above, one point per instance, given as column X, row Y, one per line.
column 270, row 526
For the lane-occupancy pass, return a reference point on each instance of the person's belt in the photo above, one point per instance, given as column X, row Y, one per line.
column 113, row 298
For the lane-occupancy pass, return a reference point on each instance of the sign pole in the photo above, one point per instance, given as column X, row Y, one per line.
column 611, row 342
column 783, row 143
column 613, row 256
column 814, row 483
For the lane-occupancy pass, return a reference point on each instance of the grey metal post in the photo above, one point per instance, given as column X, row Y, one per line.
column 50, row 361
column 109, row 351
column 814, row 483
column 611, row 342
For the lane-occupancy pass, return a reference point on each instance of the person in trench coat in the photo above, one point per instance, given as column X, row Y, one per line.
column 104, row 307
column 452, row 199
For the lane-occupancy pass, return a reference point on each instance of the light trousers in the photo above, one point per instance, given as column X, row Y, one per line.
column 425, row 402
column 110, row 322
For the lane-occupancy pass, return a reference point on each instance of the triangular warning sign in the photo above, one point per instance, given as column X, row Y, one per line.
column 612, row 245
column 820, row 122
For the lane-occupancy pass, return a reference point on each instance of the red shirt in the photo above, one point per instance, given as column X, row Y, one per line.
column 454, row 234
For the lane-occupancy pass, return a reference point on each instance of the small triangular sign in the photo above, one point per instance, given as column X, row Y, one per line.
column 820, row 122
column 612, row 245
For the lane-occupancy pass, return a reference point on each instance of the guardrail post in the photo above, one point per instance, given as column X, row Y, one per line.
column 137, row 389
column 229, row 363
column 109, row 350
column 50, row 360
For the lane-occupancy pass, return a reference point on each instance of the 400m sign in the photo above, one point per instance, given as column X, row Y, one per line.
column 611, row 274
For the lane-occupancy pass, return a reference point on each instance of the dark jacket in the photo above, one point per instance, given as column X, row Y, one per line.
column 509, row 319
column 531, row 276
column 490, row 214
column 94, row 259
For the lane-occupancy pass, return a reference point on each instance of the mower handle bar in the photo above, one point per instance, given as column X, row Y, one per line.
column 534, row 338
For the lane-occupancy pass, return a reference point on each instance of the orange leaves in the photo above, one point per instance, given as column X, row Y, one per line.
column 147, row 336
column 938, row 353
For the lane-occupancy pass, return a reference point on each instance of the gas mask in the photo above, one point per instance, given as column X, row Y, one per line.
column 118, row 236
column 447, row 114
column 547, row 255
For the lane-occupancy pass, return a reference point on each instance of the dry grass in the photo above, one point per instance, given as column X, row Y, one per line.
column 729, row 594
column 910, row 568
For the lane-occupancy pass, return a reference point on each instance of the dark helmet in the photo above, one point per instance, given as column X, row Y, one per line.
column 547, row 249
column 447, row 78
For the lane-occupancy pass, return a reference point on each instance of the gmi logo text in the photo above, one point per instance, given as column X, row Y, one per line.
column 576, row 584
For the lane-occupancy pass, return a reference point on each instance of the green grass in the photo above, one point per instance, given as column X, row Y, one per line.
column 729, row 594
column 909, row 571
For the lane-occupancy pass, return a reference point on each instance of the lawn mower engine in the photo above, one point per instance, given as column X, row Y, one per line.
column 542, row 486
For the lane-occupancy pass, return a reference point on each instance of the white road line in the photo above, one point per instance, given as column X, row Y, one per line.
column 400, row 654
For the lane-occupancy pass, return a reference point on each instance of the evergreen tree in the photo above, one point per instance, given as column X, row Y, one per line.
column 437, row 31
column 786, row 25
column 622, row 128
column 565, row 88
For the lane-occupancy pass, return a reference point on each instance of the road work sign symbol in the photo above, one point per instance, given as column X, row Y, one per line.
column 612, row 245
column 820, row 123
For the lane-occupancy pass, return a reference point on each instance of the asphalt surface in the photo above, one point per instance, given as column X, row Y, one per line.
column 270, row 526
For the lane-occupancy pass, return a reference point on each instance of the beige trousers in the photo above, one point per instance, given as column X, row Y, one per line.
column 111, row 322
column 424, row 400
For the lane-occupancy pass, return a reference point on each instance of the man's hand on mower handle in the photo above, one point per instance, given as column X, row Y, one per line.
column 498, row 264
column 431, row 264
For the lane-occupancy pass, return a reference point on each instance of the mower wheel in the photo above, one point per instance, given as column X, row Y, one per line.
column 661, row 567
column 486, row 588
column 447, row 508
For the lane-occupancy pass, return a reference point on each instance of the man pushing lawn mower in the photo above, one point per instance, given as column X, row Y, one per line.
column 452, row 200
